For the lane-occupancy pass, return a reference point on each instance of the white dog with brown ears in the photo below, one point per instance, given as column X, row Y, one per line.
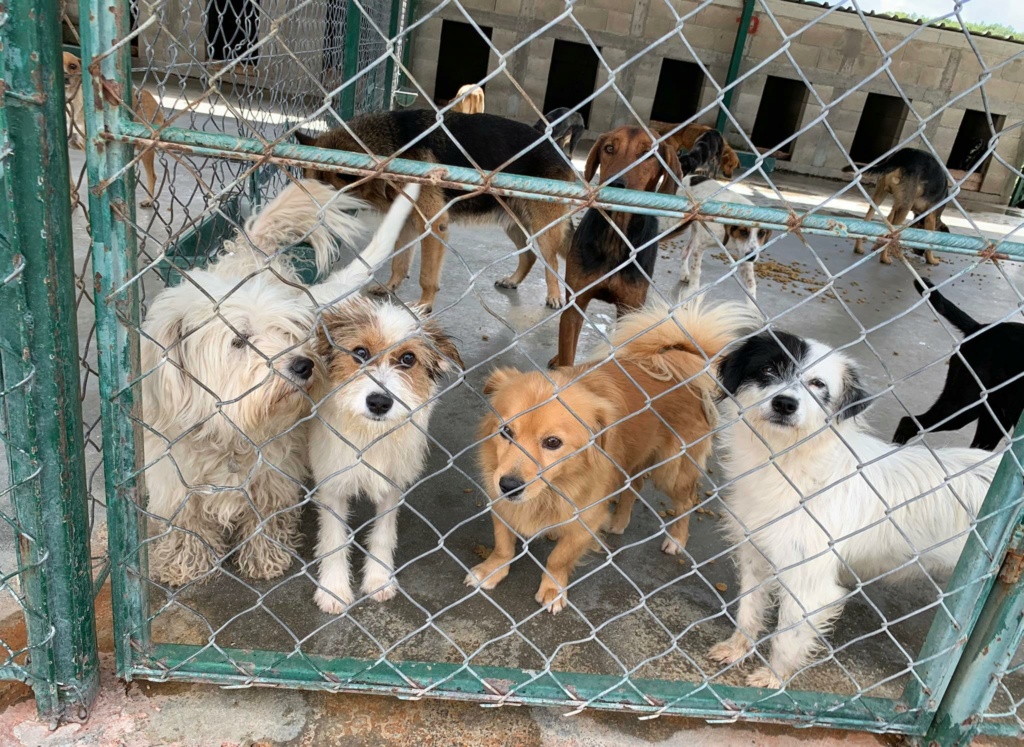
column 384, row 364
column 228, row 360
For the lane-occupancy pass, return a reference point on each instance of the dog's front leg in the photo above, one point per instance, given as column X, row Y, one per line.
column 575, row 540
column 335, row 585
column 809, row 601
column 756, row 588
column 493, row 570
column 378, row 573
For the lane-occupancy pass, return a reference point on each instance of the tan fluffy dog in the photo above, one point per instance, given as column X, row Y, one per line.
column 474, row 101
column 553, row 461
column 146, row 109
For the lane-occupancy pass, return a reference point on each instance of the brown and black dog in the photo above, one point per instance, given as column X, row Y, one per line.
column 494, row 144
column 686, row 137
column 601, row 264
column 918, row 183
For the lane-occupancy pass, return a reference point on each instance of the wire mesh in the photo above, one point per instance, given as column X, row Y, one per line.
column 232, row 571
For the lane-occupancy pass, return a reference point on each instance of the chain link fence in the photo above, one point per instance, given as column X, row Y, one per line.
column 226, row 509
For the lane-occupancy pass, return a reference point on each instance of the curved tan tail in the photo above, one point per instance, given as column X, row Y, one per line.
column 678, row 344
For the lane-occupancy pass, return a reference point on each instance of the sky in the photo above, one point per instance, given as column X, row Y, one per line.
column 1010, row 12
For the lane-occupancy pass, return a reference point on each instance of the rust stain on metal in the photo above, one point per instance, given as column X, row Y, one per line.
column 499, row 686
column 1013, row 566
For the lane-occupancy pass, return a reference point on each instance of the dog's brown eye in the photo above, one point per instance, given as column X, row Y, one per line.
column 817, row 383
column 506, row 433
column 768, row 370
column 551, row 443
column 609, row 148
column 239, row 342
column 361, row 354
column 408, row 360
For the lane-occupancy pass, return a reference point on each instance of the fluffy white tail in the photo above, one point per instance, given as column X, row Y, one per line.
column 303, row 212
column 360, row 270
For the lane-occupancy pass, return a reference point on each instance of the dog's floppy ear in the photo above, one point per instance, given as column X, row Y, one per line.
column 669, row 185
column 448, row 358
column 167, row 387
column 731, row 370
column 497, row 379
column 594, row 159
column 854, row 399
column 304, row 139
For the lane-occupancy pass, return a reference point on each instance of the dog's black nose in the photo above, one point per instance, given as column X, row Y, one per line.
column 618, row 183
column 511, row 485
column 302, row 367
column 785, row 405
column 379, row 403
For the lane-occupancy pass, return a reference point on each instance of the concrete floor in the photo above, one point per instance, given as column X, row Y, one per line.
column 640, row 611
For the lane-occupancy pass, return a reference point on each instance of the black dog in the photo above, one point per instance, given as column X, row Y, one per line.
column 705, row 157
column 565, row 132
column 995, row 354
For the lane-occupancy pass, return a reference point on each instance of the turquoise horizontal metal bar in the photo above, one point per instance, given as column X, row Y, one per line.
column 488, row 684
column 514, row 185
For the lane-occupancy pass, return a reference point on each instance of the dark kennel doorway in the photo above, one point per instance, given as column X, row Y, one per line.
column 232, row 28
column 880, row 126
column 461, row 59
column 779, row 115
column 571, row 77
column 970, row 147
column 677, row 97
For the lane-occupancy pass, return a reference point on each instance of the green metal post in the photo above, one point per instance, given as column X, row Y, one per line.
column 989, row 651
column 114, row 264
column 734, row 62
column 46, row 412
column 350, row 62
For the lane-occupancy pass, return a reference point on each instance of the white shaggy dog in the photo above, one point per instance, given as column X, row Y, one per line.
column 227, row 360
column 739, row 241
column 814, row 497
column 384, row 365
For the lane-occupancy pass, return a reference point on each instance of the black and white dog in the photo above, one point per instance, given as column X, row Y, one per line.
column 814, row 495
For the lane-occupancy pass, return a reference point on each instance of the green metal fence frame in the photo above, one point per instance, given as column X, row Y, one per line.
column 950, row 651
column 38, row 316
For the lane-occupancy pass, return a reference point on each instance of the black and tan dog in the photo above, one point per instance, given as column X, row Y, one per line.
column 612, row 254
column 918, row 184
column 492, row 143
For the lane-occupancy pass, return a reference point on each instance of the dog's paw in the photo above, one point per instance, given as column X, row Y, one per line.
column 333, row 602
column 506, row 283
column 483, row 577
column 671, row 546
column 618, row 525
column 729, row 651
column 553, row 363
column 380, row 290
column 551, row 598
column 262, row 559
column 147, row 203
column 932, row 259
column 380, row 586
column 764, row 677
column 554, row 302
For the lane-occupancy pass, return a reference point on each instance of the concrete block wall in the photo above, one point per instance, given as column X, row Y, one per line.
column 836, row 55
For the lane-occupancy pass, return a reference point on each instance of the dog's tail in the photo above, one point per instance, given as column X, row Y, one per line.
column 957, row 317
column 360, row 270
column 677, row 345
column 306, row 211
